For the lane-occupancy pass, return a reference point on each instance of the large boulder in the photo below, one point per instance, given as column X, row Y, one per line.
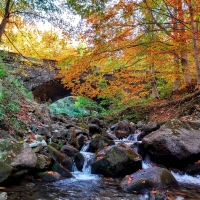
column 116, row 161
column 145, row 180
column 17, row 155
column 5, row 171
column 175, row 144
column 99, row 142
column 123, row 129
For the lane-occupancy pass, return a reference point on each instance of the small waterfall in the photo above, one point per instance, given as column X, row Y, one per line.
column 85, row 174
column 85, row 146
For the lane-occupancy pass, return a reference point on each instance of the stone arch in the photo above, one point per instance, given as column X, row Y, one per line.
column 52, row 91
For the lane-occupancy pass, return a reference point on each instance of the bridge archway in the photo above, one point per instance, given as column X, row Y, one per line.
column 50, row 91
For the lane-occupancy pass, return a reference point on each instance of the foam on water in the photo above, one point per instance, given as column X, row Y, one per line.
column 85, row 174
column 194, row 180
column 81, row 176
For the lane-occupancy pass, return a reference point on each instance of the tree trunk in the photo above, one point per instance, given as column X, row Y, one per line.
column 183, row 44
column 195, row 45
column 5, row 18
column 155, row 93
column 185, row 67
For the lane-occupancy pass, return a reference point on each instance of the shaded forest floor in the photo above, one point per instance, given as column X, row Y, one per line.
column 164, row 110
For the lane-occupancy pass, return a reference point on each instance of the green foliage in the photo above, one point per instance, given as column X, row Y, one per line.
column 11, row 91
column 75, row 107
column 67, row 106
column 86, row 8
column 87, row 104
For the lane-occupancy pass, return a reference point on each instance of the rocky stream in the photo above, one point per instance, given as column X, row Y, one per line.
column 67, row 158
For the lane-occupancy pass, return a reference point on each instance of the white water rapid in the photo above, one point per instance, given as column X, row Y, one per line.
column 85, row 174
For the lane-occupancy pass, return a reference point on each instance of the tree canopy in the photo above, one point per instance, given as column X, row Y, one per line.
column 127, row 49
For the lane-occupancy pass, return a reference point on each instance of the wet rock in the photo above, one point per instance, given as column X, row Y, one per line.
column 19, row 174
column 5, row 171
column 79, row 161
column 26, row 158
column 49, row 176
column 61, row 170
column 116, row 161
column 43, row 162
column 146, row 129
column 144, row 181
column 57, row 156
column 81, row 139
column 123, row 129
column 175, row 145
column 94, row 129
column 109, row 136
column 69, row 150
column 139, row 124
column 99, row 142
column 17, row 154
column 193, row 169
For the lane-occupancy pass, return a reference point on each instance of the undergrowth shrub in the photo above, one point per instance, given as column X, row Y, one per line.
column 74, row 107
column 11, row 92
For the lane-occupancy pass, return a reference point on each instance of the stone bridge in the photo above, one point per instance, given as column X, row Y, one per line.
column 38, row 76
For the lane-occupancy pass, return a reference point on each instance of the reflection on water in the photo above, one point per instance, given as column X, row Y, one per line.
column 98, row 188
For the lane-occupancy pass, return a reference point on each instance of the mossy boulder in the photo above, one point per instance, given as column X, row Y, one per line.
column 5, row 171
column 176, row 144
column 16, row 154
column 116, row 161
column 99, row 142
column 145, row 180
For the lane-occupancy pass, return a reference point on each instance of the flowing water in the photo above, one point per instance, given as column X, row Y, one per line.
column 87, row 186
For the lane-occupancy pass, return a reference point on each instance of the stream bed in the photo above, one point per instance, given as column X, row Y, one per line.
column 92, row 188
column 87, row 186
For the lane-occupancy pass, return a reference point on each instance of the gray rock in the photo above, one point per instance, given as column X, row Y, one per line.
column 26, row 158
column 148, row 179
column 116, row 161
column 49, row 176
column 175, row 144
column 123, row 129
column 99, row 142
